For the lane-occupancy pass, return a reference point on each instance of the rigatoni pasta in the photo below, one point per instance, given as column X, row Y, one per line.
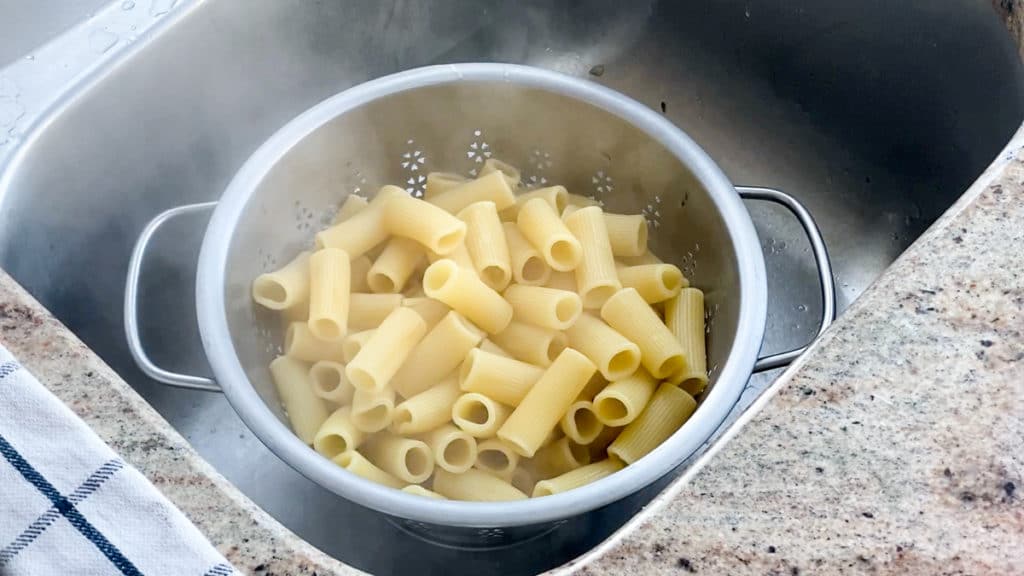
column 440, row 346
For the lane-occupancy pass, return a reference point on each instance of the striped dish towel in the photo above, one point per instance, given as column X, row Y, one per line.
column 69, row 505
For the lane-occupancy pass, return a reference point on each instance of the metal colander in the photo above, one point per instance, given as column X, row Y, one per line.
column 394, row 130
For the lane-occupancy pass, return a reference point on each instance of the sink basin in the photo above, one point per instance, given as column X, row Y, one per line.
column 876, row 115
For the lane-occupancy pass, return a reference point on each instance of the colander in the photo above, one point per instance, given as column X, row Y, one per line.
column 396, row 129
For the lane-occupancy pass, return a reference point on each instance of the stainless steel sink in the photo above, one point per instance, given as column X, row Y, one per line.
column 876, row 114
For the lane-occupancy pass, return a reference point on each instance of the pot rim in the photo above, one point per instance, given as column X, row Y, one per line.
column 217, row 342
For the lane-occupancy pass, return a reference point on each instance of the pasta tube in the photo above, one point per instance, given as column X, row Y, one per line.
column 357, row 464
column 543, row 406
column 417, row 490
column 615, row 356
column 496, row 457
column 667, row 411
column 407, row 459
column 330, row 383
column 485, row 241
column 555, row 196
column 395, row 265
column 541, row 225
column 476, row 486
column 580, row 424
column 389, row 346
column 578, row 477
column 352, row 205
column 426, row 410
column 454, row 450
column 504, row 379
column 338, row 434
column 412, row 218
column 369, row 310
column 359, row 267
column 596, row 279
column 528, row 265
column 301, row 344
column 306, row 411
column 438, row 182
column 329, row 293
column 467, row 295
column 439, row 354
column 684, row 316
column 493, row 187
column 373, row 410
column 623, row 400
column 532, row 344
column 354, row 342
column 654, row 282
column 432, row 311
column 545, row 307
column 285, row 287
column 629, row 315
column 478, row 415
column 559, row 457
column 511, row 173
column 627, row 234
column 362, row 231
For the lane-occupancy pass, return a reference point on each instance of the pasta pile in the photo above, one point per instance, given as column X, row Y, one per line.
column 483, row 345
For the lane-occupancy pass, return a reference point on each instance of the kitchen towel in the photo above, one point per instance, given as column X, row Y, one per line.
column 70, row 505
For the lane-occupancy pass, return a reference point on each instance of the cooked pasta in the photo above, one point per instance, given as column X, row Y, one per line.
column 301, row 344
column 560, row 457
column 596, row 279
column 475, row 486
column 615, row 356
column 496, row 457
column 485, row 240
column 478, row 415
column 540, row 224
column 654, row 282
column 545, row 307
column 578, row 477
column 484, row 343
column 395, row 265
column 388, row 347
column 684, row 316
column 532, row 344
column 493, row 187
column 417, row 490
column 623, row 400
column 438, row 182
column 543, row 406
column 667, row 411
column 362, row 231
column 468, row 295
column 428, row 409
column 528, row 265
column 367, row 311
column 432, row 311
column 373, row 410
column 660, row 352
column 357, row 464
column 510, row 172
column 454, row 450
column 338, row 434
column 352, row 205
column 580, row 423
column 306, row 411
column 504, row 379
column 329, row 293
column 407, row 459
column 330, row 383
column 439, row 354
column 285, row 287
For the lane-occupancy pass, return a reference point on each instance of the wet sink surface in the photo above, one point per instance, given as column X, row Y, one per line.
column 876, row 116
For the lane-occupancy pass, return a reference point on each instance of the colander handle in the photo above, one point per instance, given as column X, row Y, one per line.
column 821, row 259
column 131, row 306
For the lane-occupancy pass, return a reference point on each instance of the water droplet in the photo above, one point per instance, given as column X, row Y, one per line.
column 128, row 4
column 801, row 307
column 101, row 40
column 30, row 57
column 161, row 7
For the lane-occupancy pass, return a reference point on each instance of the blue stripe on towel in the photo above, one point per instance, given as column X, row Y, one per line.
column 66, row 507
column 46, row 519
column 220, row 570
column 8, row 368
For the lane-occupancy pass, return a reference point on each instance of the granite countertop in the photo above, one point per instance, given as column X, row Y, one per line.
column 892, row 446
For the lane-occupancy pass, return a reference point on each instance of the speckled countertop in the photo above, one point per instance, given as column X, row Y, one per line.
column 894, row 446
